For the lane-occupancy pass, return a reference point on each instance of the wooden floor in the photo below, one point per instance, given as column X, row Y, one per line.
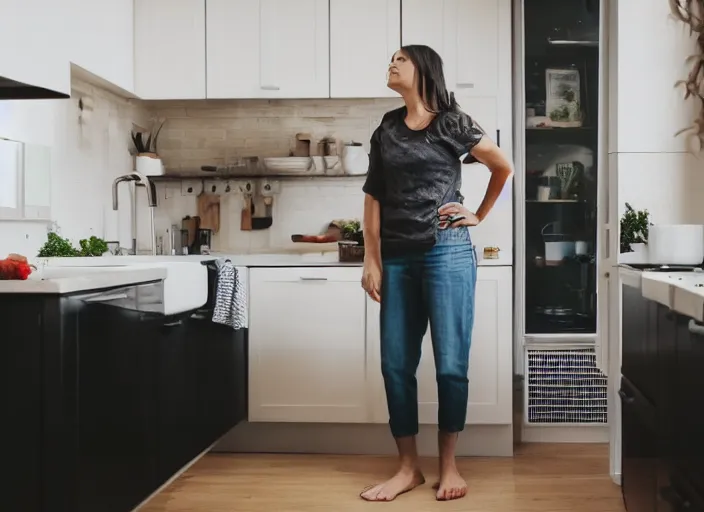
column 545, row 478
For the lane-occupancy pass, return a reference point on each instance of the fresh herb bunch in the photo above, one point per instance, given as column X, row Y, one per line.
column 353, row 231
column 634, row 228
column 93, row 246
column 57, row 247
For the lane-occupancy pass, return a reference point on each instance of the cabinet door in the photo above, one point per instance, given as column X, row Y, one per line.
column 268, row 49
column 363, row 37
column 307, row 357
column 490, row 363
column 169, row 50
column 467, row 35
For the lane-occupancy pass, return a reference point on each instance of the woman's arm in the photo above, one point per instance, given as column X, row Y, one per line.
column 487, row 152
column 372, row 229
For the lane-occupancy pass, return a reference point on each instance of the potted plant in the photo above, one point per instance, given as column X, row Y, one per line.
column 634, row 230
column 147, row 161
column 351, row 247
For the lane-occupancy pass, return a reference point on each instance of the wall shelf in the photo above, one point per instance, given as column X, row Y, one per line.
column 200, row 175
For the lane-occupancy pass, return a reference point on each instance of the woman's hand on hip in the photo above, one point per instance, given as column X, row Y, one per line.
column 371, row 279
column 455, row 215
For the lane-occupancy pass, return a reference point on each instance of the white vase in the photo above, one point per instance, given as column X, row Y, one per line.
column 149, row 165
column 640, row 247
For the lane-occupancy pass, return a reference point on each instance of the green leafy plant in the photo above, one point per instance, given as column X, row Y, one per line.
column 634, row 228
column 145, row 142
column 353, row 231
column 57, row 247
column 93, row 246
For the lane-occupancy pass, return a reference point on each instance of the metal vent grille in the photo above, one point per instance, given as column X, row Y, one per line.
column 565, row 387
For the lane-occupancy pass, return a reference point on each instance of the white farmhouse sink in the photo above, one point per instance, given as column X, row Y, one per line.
column 185, row 284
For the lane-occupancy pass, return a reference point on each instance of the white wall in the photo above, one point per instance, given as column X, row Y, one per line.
column 85, row 159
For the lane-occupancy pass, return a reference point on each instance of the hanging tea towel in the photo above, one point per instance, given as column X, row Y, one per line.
column 230, row 296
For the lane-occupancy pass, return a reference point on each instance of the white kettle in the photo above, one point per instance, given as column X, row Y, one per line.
column 355, row 160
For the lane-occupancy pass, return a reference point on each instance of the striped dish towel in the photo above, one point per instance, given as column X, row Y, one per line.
column 230, row 296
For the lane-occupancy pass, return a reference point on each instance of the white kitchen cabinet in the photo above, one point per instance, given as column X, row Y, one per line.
column 31, row 38
column 268, row 49
column 468, row 35
column 633, row 83
column 363, row 37
column 169, row 49
column 101, row 39
column 307, row 354
column 490, row 364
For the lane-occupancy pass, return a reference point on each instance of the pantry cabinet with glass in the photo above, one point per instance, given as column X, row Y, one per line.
column 559, row 156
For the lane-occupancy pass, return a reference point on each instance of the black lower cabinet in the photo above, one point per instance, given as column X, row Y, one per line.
column 103, row 404
column 639, row 445
column 116, row 400
column 176, row 372
column 662, row 402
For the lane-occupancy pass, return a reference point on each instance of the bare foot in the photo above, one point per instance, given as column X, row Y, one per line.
column 451, row 486
column 401, row 482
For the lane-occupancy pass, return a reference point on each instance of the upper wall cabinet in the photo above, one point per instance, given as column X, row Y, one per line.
column 169, row 49
column 466, row 34
column 268, row 49
column 31, row 35
column 101, row 39
column 364, row 34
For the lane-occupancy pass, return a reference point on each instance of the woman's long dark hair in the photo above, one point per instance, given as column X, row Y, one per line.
column 431, row 78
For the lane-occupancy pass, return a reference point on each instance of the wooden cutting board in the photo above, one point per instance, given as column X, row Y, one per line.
column 209, row 211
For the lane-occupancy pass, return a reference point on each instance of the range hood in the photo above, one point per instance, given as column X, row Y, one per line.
column 14, row 90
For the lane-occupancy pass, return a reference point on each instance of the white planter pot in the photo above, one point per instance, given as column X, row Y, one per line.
column 149, row 165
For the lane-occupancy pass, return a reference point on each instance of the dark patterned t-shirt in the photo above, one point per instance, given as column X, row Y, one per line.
column 413, row 172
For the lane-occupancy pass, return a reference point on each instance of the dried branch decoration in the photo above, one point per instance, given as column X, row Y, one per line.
column 691, row 13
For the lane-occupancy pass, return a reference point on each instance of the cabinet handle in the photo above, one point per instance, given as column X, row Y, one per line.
column 270, row 88
column 627, row 399
column 465, row 85
column 696, row 328
column 107, row 297
column 173, row 324
column 314, row 278
column 498, row 138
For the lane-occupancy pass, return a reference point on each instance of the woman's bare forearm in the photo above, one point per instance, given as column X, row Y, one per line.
column 499, row 177
column 488, row 153
column 372, row 229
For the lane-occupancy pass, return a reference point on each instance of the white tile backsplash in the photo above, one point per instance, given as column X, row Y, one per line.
column 217, row 132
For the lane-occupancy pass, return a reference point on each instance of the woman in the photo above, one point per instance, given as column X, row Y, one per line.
column 420, row 263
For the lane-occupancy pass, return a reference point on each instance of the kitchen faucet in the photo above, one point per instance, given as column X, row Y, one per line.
column 139, row 179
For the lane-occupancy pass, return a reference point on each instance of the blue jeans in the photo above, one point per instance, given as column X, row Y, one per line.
column 436, row 286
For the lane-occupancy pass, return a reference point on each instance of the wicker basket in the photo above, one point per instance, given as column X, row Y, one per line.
column 350, row 252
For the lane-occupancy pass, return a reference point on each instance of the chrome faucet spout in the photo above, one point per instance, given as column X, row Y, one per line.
column 118, row 180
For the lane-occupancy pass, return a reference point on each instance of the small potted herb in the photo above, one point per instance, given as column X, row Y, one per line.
column 145, row 143
column 59, row 247
column 634, row 230
column 351, row 247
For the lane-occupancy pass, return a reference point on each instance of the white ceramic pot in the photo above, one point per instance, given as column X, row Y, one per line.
column 355, row 160
column 149, row 165
column 676, row 244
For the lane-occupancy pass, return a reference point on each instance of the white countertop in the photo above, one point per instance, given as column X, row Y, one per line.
column 683, row 292
column 70, row 275
column 84, row 279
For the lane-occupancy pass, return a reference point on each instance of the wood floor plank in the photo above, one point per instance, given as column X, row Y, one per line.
column 540, row 478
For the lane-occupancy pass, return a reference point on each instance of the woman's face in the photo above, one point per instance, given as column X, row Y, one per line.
column 401, row 73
